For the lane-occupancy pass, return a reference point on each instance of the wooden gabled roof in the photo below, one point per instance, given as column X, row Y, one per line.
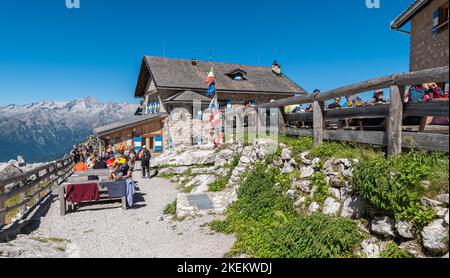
column 182, row 74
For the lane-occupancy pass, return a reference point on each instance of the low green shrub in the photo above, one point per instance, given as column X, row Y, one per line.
column 394, row 185
column 318, row 180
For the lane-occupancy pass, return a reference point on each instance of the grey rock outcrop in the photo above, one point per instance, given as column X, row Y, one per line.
column 383, row 226
column 435, row 236
column 405, row 229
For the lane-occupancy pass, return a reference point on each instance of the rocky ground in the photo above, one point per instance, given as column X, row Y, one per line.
column 145, row 232
column 108, row 231
column 341, row 200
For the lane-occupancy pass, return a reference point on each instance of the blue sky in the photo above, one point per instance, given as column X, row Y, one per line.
column 48, row 52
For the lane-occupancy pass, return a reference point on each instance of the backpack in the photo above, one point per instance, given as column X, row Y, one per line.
column 146, row 155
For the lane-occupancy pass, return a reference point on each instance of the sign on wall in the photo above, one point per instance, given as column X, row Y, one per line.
column 158, row 143
column 137, row 143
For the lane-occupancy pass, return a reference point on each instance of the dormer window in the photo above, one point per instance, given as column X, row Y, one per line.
column 237, row 75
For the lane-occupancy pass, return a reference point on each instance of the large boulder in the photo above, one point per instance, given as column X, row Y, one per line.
column 383, row 226
column 441, row 212
column 313, row 208
column 287, row 168
column 443, row 198
column 286, row 154
column 223, row 157
column 413, row 248
column 435, row 237
column 303, row 185
column 8, row 170
column 264, row 147
column 202, row 183
column 304, row 158
column 331, row 207
column 431, row 203
column 405, row 229
column 201, row 157
column 315, row 163
column 371, row 248
column 188, row 157
column 300, row 203
column 353, row 207
column 336, row 193
column 292, row 194
column 306, row 172
column 174, row 170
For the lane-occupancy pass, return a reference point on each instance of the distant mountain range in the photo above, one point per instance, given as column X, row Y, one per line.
column 47, row 130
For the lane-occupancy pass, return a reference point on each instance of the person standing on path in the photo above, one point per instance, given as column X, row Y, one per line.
column 145, row 157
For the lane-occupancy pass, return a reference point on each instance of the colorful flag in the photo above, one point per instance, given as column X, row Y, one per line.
column 211, row 89
column 210, row 77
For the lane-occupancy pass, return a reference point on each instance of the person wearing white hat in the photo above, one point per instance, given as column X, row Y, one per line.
column 145, row 157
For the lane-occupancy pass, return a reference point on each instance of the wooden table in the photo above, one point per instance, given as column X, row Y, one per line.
column 81, row 178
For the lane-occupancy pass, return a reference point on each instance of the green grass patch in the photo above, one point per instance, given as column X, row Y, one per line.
column 171, row 208
column 187, row 189
column 394, row 252
column 220, row 184
column 330, row 149
column 267, row 226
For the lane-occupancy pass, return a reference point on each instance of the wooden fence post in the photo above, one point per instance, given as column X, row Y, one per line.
column 2, row 206
column 394, row 124
column 319, row 122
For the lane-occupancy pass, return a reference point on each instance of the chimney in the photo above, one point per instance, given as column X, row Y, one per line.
column 194, row 62
column 276, row 68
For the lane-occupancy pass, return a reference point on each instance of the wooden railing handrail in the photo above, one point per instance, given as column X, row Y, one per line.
column 440, row 74
column 54, row 171
column 4, row 182
column 435, row 108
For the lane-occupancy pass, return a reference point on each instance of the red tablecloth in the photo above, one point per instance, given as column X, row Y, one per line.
column 77, row 193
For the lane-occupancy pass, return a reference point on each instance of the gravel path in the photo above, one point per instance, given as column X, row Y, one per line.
column 108, row 231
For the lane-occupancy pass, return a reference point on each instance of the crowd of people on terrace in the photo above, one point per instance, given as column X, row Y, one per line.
column 119, row 160
column 419, row 93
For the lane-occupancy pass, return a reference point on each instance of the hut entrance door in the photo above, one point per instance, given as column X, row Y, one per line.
column 149, row 142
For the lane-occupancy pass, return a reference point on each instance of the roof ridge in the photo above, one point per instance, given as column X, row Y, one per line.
column 203, row 61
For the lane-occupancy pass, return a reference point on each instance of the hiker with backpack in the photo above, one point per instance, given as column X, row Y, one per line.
column 145, row 157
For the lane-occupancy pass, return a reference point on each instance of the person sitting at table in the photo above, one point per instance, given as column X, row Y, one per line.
column 378, row 98
column 425, row 92
column 422, row 93
column 122, row 171
column 90, row 162
column 350, row 101
column 110, row 162
column 335, row 104
column 80, row 166
column 100, row 163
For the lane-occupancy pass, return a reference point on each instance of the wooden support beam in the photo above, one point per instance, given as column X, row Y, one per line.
column 422, row 141
column 319, row 122
column 394, row 122
column 282, row 119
